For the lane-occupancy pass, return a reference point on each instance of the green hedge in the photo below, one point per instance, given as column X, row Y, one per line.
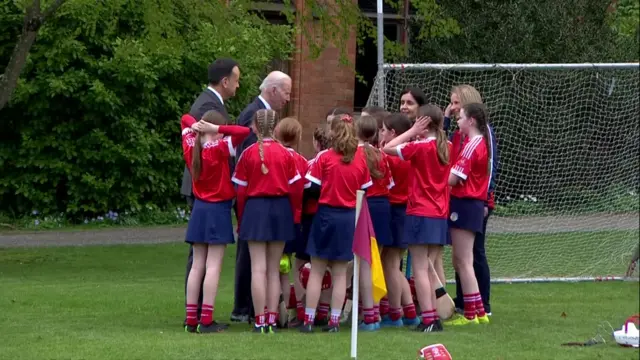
column 94, row 123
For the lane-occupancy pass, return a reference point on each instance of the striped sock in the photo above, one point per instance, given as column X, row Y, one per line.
column 335, row 317
column 395, row 314
column 192, row 314
column 369, row 315
column 410, row 311
column 428, row 317
column 300, row 310
column 479, row 305
column 272, row 318
column 206, row 317
column 469, row 306
column 384, row 306
column 260, row 320
column 309, row 316
column 323, row 311
column 376, row 312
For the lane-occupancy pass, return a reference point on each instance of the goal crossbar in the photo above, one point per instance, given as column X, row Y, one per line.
column 514, row 66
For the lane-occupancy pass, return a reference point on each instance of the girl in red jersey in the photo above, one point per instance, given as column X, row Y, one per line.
column 267, row 170
column 309, row 208
column 379, row 208
column 289, row 132
column 340, row 172
column 206, row 152
column 399, row 298
column 470, row 181
column 428, row 205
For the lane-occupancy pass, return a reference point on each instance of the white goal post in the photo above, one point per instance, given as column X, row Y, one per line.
column 568, row 187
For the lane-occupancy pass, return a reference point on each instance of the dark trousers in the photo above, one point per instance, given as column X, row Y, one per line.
column 481, row 268
column 242, row 302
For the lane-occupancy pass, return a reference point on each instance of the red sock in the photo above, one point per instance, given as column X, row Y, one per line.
column 428, row 317
column 384, row 306
column 435, row 315
column 300, row 310
column 395, row 314
column 292, row 298
column 260, row 320
column 273, row 317
column 335, row 317
column 479, row 305
column 323, row 311
column 376, row 312
column 369, row 315
column 206, row 316
column 409, row 311
column 309, row 316
column 470, row 306
column 192, row 314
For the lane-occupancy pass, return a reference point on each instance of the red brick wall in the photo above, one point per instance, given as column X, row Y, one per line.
column 318, row 86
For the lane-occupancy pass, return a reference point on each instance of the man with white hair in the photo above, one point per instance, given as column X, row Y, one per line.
column 275, row 93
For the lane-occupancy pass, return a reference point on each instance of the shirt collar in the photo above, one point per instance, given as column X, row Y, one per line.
column 216, row 94
column 266, row 104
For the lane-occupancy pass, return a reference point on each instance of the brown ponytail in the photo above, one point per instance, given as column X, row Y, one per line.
column 265, row 121
column 437, row 121
column 367, row 130
column 343, row 139
column 479, row 112
column 212, row 117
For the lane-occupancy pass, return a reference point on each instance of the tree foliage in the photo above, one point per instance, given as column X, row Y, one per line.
column 93, row 122
column 525, row 31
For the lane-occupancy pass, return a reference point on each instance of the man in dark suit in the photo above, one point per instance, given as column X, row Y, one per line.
column 275, row 92
column 224, row 76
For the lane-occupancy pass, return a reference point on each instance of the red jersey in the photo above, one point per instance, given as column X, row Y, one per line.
column 382, row 185
column 214, row 183
column 401, row 173
column 429, row 183
column 338, row 181
column 278, row 160
column 297, row 188
column 471, row 167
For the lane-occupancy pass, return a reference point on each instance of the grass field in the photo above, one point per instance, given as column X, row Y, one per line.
column 126, row 302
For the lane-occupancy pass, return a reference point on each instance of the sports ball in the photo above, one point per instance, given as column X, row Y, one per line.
column 434, row 352
column 305, row 270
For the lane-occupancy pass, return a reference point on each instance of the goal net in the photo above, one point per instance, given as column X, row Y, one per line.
column 568, row 135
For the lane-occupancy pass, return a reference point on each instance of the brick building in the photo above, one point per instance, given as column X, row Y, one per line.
column 323, row 83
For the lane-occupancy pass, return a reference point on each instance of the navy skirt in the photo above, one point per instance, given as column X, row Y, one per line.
column 210, row 223
column 422, row 230
column 331, row 236
column 380, row 210
column 301, row 245
column 267, row 219
column 290, row 247
column 398, row 213
column 466, row 214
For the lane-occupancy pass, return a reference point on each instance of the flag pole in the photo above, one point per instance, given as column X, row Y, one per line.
column 356, row 286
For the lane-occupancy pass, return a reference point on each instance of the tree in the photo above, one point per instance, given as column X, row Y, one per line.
column 34, row 18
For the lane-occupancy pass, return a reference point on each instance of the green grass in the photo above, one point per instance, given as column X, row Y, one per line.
column 126, row 302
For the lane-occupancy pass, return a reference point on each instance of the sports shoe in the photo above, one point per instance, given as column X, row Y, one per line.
column 367, row 327
column 411, row 322
column 214, row 327
column 271, row 329
column 331, row 329
column 432, row 327
column 260, row 329
column 239, row 318
column 461, row 320
column 306, row 328
column 190, row 328
column 387, row 322
column 483, row 319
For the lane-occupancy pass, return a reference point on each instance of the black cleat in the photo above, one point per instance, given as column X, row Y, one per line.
column 306, row 328
column 331, row 328
column 295, row 323
column 239, row 318
column 260, row 329
column 214, row 327
column 431, row 327
column 321, row 322
column 190, row 328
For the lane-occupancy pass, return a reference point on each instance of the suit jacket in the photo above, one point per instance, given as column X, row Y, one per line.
column 205, row 102
column 245, row 118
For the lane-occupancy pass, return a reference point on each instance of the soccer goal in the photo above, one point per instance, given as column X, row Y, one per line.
column 569, row 139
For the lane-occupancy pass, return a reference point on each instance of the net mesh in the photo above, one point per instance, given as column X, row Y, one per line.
column 567, row 191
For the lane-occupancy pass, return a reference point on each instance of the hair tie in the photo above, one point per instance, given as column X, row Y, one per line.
column 347, row 118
